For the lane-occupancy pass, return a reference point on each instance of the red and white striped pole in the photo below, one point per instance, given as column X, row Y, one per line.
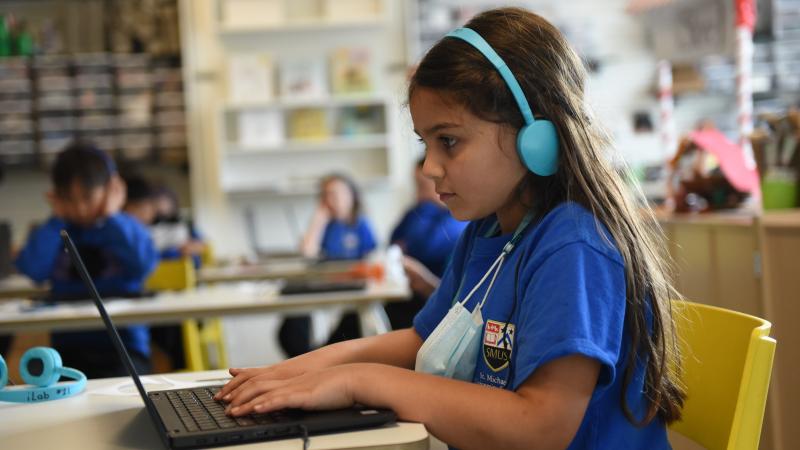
column 745, row 22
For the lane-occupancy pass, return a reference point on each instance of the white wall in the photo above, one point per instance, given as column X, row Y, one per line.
column 22, row 200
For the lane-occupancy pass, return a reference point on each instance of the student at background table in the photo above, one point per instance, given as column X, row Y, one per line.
column 175, row 236
column 427, row 234
column 338, row 231
column 86, row 198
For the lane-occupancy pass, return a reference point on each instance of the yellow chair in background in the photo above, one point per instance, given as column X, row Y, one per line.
column 727, row 362
column 203, row 345
column 207, row 256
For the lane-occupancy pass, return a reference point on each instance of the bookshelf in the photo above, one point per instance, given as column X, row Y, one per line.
column 302, row 93
column 267, row 172
column 336, row 144
column 303, row 26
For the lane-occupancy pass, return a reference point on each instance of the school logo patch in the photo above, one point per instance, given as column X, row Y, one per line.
column 350, row 241
column 498, row 342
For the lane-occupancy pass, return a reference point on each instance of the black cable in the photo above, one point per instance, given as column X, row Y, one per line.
column 306, row 441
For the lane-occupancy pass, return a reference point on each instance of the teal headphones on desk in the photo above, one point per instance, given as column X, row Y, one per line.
column 537, row 141
column 41, row 368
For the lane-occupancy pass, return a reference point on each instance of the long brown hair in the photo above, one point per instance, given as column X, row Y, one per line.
column 553, row 78
column 351, row 186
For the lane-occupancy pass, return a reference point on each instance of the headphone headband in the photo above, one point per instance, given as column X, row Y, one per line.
column 471, row 37
column 44, row 382
column 537, row 140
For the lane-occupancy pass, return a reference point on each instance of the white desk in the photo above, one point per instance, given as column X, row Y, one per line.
column 269, row 270
column 16, row 285
column 205, row 301
column 98, row 419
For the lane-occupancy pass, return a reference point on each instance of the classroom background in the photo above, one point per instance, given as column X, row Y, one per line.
column 238, row 108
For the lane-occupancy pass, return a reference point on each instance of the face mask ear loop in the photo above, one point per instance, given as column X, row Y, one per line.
column 485, row 276
column 491, row 283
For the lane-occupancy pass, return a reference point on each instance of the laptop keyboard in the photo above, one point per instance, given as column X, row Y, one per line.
column 200, row 412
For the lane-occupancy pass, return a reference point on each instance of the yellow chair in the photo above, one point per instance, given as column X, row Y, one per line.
column 727, row 362
column 207, row 257
column 199, row 342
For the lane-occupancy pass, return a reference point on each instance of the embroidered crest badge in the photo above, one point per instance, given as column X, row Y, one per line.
column 498, row 342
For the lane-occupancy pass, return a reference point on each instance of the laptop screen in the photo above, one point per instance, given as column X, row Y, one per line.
column 112, row 330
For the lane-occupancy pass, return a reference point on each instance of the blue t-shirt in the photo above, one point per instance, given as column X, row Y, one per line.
column 343, row 240
column 560, row 292
column 118, row 254
column 428, row 233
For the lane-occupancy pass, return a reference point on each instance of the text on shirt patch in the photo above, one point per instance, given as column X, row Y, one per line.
column 498, row 342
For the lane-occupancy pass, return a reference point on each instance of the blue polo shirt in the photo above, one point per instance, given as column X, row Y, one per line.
column 560, row 292
column 117, row 252
column 428, row 233
column 343, row 240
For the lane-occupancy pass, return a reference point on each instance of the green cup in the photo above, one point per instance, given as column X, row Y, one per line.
column 779, row 192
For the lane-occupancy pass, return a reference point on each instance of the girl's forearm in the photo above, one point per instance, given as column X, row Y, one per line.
column 396, row 348
column 464, row 415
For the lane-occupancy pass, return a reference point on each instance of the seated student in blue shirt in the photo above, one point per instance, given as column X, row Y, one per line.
column 552, row 326
column 337, row 231
column 140, row 199
column 174, row 236
column 141, row 203
column 427, row 234
column 86, row 200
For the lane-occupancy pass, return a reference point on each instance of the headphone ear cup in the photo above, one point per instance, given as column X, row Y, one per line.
column 40, row 366
column 537, row 145
column 3, row 372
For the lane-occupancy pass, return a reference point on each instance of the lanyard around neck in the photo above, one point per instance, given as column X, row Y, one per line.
column 494, row 269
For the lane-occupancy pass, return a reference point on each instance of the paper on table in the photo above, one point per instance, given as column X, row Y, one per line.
column 126, row 388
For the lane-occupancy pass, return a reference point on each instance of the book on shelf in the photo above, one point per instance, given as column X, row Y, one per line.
column 250, row 77
column 308, row 124
column 253, row 13
column 303, row 78
column 360, row 120
column 351, row 70
column 346, row 10
column 258, row 129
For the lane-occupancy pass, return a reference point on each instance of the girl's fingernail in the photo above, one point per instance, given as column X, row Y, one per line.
column 227, row 397
column 259, row 407
column 235, row 410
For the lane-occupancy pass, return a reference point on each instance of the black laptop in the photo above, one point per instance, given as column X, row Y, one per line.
column 316, row 286
column 191, row 418
column 5, row 250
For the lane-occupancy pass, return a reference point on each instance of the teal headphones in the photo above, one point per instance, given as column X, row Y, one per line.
column 41, row 367
column 537, row 141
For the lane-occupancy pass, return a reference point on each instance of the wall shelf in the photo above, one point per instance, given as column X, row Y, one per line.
column 305, row 26
column 338, row 143
column 320, row 102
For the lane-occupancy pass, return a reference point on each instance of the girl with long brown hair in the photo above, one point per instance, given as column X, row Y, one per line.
column 551, row 327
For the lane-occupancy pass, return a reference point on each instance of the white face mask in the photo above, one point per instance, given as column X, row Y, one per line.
column 451, row 350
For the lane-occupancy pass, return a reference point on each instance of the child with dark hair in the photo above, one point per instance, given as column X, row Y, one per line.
column 140, row 201
column 86, row 200
column 174, row 236
column 427, row 234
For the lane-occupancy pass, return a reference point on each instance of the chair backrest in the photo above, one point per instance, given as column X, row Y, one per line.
column 727, row 362
column 173, row 275
column 207, row 257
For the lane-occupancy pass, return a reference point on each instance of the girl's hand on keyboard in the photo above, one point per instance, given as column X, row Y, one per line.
column 322, row 358
column 329, row 388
